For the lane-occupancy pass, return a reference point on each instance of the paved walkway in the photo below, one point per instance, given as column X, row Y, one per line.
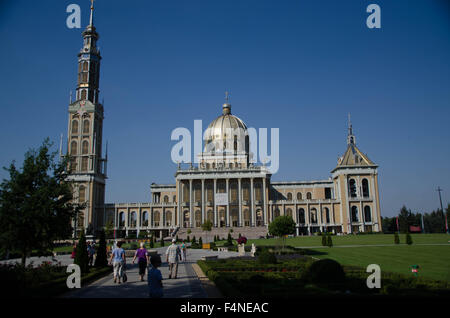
column 187, row 284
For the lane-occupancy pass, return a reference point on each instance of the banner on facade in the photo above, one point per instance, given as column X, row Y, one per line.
column 221, row 199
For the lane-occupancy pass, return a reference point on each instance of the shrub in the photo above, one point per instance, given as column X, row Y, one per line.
column 162, row 242
column 152, row 244
column 408, row 239
column 396, row 238
column 329, row 241
column 200, row 242
column 133, row 246
column 188, row 239
column 194, row 241
column 101, row 259
column 267, row 258
column 142, row 234
column 325, row 271
column 177, row 238
column 242, row 240
column 229, row 240
column 324, row 239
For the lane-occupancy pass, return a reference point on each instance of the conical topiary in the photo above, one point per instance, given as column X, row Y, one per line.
column 396, row 238
column 324, row 239
column 81, row 254
column 101, row 259
column 329, row 241
column 408, row 239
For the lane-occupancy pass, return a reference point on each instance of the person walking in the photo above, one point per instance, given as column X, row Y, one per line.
column 119, row 261
column 142, row 255
column 183, row 248
column 154, row 278
column 74, row 251
column 173, row 253
column 91, row 253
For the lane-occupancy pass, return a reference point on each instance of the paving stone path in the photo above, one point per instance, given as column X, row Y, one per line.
column 187, row 284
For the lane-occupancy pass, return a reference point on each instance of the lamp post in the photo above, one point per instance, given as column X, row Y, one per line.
column 442, row 209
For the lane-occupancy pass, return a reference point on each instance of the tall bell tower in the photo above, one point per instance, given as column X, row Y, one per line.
column 87, row 167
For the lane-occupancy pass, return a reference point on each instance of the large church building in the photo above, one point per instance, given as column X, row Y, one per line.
column 225, row 187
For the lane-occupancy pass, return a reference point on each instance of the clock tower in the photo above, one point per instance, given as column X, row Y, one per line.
column 87, row 167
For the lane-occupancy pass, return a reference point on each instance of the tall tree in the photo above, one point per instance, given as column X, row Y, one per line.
column 81, row 254
column 282, row 226
column 36, row 203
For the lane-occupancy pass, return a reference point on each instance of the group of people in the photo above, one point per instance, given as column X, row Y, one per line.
column 174, row 254
column 90, row 251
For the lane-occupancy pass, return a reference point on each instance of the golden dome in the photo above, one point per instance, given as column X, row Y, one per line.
column 226, row 132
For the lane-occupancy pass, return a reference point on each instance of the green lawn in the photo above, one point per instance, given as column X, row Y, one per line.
column 370, row 239
column 434, row 261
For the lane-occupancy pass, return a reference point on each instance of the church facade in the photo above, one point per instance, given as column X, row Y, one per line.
column 225, row 187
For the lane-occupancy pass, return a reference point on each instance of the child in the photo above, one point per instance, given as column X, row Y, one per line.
column 155, row 278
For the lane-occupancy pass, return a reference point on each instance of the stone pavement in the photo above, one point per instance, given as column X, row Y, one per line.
column 187, row 284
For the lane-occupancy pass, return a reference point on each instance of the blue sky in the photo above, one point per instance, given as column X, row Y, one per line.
column 301, row 66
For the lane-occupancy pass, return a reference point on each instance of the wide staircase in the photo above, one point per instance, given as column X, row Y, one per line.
column 222, row 232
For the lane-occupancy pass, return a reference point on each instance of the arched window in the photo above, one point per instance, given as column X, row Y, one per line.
column 365, row 188
column 85, row 147
column 258, row 191
column 186, row 218
column 233, row 192
column 197, row 192
column 234, row 217
column 308, row 196
column 85, row 65
column 352, row 188
column 246, row 217
column 198, row 218
column 276, row 213
column 355, row 214
column 73, row 148
column 156, row 218
column 289, row 196
column 86, row 126
column 145, row 218
column 367, row 214
column 259, row 218
column 166, row 199
column 313, row 215
column 133, row 219
column 327, row 215
column 121, row 219
column 210, row 216
column 301, row 216
column 84, row 163
column 74, row 126
column 246, row 192
column 299, row 196
column 168, row 218
column 82, row 194
column 289, row 212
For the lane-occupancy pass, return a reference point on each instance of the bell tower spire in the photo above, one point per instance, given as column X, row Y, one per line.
column 351, row 140
column 89, row 63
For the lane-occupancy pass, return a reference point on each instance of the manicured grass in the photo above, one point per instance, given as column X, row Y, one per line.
column 434, row 261
column 370, row 239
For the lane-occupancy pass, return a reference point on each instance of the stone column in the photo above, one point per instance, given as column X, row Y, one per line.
column 214, row 202
column 252, row 198
column 203, row 201
column 240, row 223
column 191, row 214
column 264, row 202
column 320, row 217
column 227, row 208
column 308, row 219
